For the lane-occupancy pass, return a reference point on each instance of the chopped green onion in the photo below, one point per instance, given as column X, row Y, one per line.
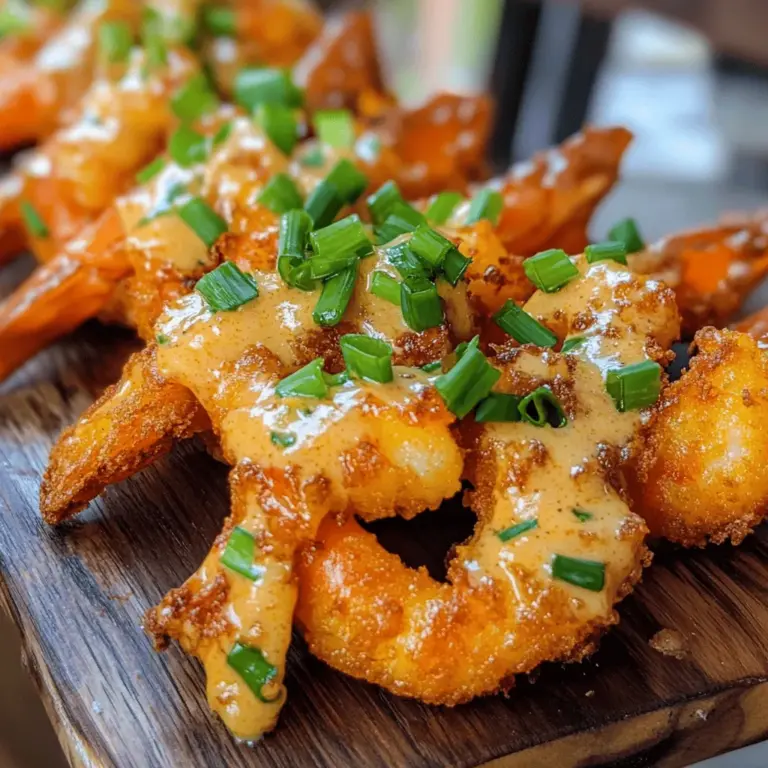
column 155, row 53
column 291, row 260
column 194, row 99
column 368, row 148
column 430, row 245
column 227, row 288
column 256, row 671
column 314, row 158
column 609, row 251
column 335, row 297
column 381, row 202
column 33, row 221
column 582, row 515
column 625, row 231
column 222, row 134
column 403, row 218
column 240, row 555
column 279, row 123
column 541, row 408
column 335, row 127
column 148, row 172
column 407, row 263
column 518, row 530
column 498, row 407
column 187, row 147
column 455, row 265
column 634, row 386
column 367, row 358
column 171, row 28
column 385, row 287
column 281, row 194
column 265, row 85
column 486, row 204
column 460, row 350
column 306, row 382
column 587, row 574
column 443, row 206
column 550, row 270
column 523, row 327
column 435, row 365
column 324, row 203
column 336, row 379
column 324, row 267
column 337, row 243
column 219, row 20
column 570, row 344
column 348, row 180
column 282, row 439
column 468, row 382
column 12, row 21
column 115, row 42
column 420, row 304
column 206, row 223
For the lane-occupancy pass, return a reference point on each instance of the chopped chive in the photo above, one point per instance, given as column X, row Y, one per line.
column 314, row 158
column 335, row 127
column 222, row 134
column 460, row 350
column 282, row 439
column 455, row 265
column 367, row 358
column 308, row 381
column 194, row 99
column 115, row 42
column 550, row 270
column 256, row 671
column 280, row 194
column 518, row 530
column 385, row 287
column 634, row 386
column 324, row 203
column 587, row 574
column 336, row 379
column 381, row 202
column 187, row 147
column 468, row 382
column 219, row 20
column 435, row 365
column 227, row 288
column 240, row 555
column 443, row 206
column 148, row 172
column 33, row 221
column 430, row 245
column 402, row 219
column 12, row 21
column 570, row 344
column 368, row 147
column 335, row 298
column 337, row 243
column 541, row 408
column 523, row 327
column 609, row 251
column 171, row 28
column 498, row 407
column 407, row 263
column 324, row 267
column 279, row 123
column 420, row 304
column 348, row 180
column 582, row 515
column 162, row 339
column 486, row 204
column 626, row 231
column 265, row 85
column 292, row 263
column 206, row 223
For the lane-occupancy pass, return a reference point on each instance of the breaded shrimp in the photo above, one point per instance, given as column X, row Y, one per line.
column 701, row 473
column 555, row 546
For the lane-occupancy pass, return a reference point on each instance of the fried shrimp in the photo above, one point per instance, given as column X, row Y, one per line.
column 700, row 475
column 555, row 546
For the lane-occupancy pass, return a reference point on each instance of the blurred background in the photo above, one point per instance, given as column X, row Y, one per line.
column 688, row 77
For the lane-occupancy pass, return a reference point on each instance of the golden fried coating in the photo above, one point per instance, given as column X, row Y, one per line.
column 701, row 472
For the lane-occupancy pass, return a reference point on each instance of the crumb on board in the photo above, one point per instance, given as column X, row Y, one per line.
column 670, row 642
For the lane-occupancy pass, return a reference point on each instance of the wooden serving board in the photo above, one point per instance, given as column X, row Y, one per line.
column 78, row 593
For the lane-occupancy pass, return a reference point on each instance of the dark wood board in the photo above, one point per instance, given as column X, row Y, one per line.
column 78, row 594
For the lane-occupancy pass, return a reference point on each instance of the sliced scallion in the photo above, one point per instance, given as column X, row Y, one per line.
column 335, row 127
column 194, row 99
column 250, row 663
column 612, row 250
column 308, row 381
column 227, row 288
column 587, row 574
column 206, row 223
column 455, row 265
column 626, row 231
column 33, row 221
column 407, row 263
column 523, row 327
column 550, row 270
column 541, row 408
column 339, row 240
column 115, row 42
column 279, row 123
column 324, row 203
column 634, row 386
column 486, row 204
column 430, row 245
column 219, row 20
column 148, row 172
column 581, row 514
column 292, row 263
column 420, row 304
column 381, row 202
column 348, row 180
column 403, row 218
column 266, row 85
column 443, row 206
column 282, row 439
column 281, row 194
column 367, row 358
column 518, row 530
column 240, row 555
column 385, row 287
column 498, row 407
column 573, row 343
column 335, row 297
column 187, row 147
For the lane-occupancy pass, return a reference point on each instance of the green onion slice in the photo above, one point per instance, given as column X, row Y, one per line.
column 115, row 42
column 324, row 203
column 308, row 381
column 219, row 20
column 430, row 245
column 336, row 379
column 443, row 206
column 227, row 288
column 587, row 574
column 518, row 530
column 468, row 382
column 581, row 514
column 148, row 172
column 385, row 287
column 403, row 218
column 335, row 298
column 282, row 439
column 339, row 242
column 335, row 127
column 281, row 194
column 455, row 265
column 292, row 263
column 634, row 386
column 420, row 304
column 541, row 408
column 222, row 134
column 523, row 327
column 435, row 365
column 381, row 202
column 550, row 270
column 279, row 123
column 407, row 263
column 313, row 158
column 266, row 85
column 498, row 407
column 187, row 147
column 626, row 231
column 367, row 358
column 570, row 344
column 348, row 180
column 608, row 251
column 486, row 204
column 368, row 147
column 256, row 671
column 33, row 221
column 203, row 220
column 194, row 99
column 240, row 555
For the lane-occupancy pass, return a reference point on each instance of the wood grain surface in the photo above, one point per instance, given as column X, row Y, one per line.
column 78, row 593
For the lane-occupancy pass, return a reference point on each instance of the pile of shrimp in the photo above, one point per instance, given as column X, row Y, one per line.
column 514, row 391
